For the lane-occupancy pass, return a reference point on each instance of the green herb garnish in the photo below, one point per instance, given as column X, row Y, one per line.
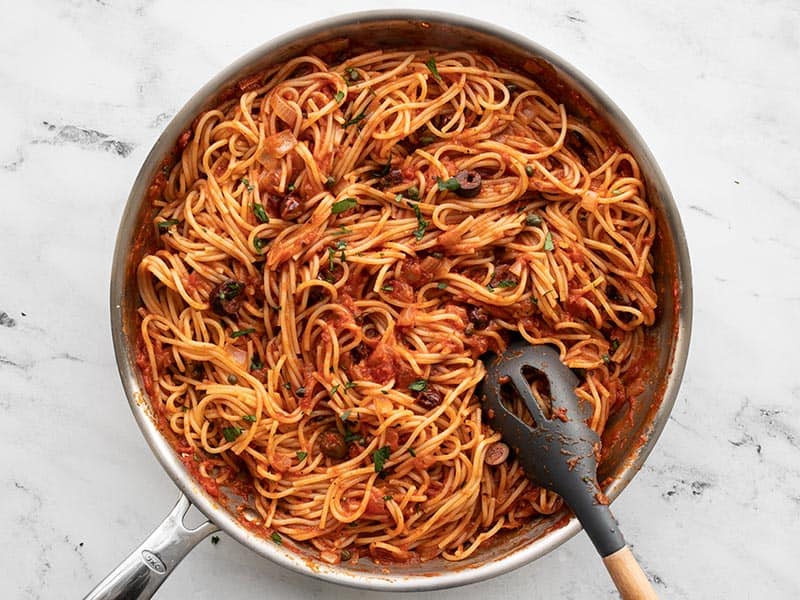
column 529, row 170
column 387, row 288
column 412, row 452
column 256, row 364
column 339, row 96
column 442, row 285
column 606, row 358
column 413, row 192
column 247, row 184
column 357, row 119
column 350, row 385
column 387, row 498
column 548, row 242
column 250, row 418
column 422, row 224
column 427, row 139
column 448, row 184
column 301, row 455
column 380, row 456
column 165, row 225
column 260, row 243
column 351, row 436
column 506, row 283
column 231, row 433
column 343, row 205
column 334, row 389
column 346, row 414
column 431, row 64
column 242, row 332
column 420, row 385
column 614, row 344
column 260, row 213
column 276, row 537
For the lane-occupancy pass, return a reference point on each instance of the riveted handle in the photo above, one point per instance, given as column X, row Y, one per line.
column 146, row 568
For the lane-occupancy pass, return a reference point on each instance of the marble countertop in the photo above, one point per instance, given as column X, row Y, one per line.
column 85, row 89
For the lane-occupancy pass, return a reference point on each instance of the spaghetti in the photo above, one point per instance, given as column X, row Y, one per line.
column 338, row 245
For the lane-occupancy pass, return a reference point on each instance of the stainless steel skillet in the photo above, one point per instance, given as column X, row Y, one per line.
column 630, row 437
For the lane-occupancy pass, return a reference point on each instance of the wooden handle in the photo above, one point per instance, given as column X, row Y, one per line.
column 628, row 576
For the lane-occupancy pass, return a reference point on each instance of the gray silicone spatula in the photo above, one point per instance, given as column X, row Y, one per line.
column 558, row 453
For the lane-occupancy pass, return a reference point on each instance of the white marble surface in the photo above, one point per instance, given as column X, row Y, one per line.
column 714, row 87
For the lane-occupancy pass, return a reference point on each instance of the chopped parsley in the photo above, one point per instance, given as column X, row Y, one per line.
column 290, row 188
column 301, row 455
column 442, row 285
column 412, row 452
column 334, row 389
column 351, row 436
column 413, row 192
column 343, row 205
column 242, row 332
column 331, row 265
column 614, row 345
column 548, row 242
column 165, row 225
column 431, row 64
column 533, row 219
column 422, row 224
column 506, row 283
column 231, row 433
column 448, row 184
column 346, row 414
column 387, row 288
column 350, row 385
column 260, row 243
column 420, row 385
column 343, row 231
column 256, row 364
column 339, row 96
column 250, row 418
column 387, row 498
column 606, row 358
column 427, row 139
column 355, row 120
column 247, row 184
column 276, row 537
column 260, row 213
column 380, row 456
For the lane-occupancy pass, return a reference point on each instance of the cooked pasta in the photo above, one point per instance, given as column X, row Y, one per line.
column 338, row 244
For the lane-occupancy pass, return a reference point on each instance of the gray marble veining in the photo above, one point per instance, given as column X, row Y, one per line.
column 85, row 88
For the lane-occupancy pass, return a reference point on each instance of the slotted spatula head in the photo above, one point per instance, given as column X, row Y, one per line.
column 559, row 451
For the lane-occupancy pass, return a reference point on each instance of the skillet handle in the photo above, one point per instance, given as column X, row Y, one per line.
column 141, row 574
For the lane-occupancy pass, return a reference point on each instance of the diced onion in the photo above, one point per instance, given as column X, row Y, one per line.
column 238, row 355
